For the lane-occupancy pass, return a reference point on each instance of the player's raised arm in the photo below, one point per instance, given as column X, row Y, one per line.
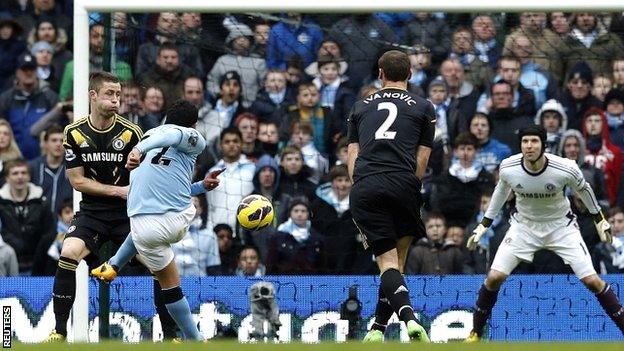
column 186, row 140
column 577, row 182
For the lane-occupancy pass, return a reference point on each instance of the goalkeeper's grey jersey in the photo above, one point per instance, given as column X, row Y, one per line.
column 541, row 196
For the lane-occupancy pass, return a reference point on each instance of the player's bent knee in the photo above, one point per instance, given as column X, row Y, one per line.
column 594, row 283
column 74, row 248
column 387, row 260
column 495, row 279
column 168, row 277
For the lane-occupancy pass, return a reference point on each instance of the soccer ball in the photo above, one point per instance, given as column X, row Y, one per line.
column 255, row 212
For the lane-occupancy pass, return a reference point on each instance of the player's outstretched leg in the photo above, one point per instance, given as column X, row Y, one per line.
column 612, row 306
column 169, row 328
column 63, row 295
column 396, row 291
column 64, row 289
column 107, row 271
column 178, row 307
column 607, row 298
column 383, row 312
column 176, row 302
column 483, row 309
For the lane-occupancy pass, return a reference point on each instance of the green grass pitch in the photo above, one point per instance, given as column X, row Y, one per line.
column 350, row 346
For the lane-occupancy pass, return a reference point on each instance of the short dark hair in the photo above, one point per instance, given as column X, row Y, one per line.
column 296, row 62
column 463, row 29
column 338, row 171
column 466, row 138
column 143, row 92
column 305, row 127
column 194, row 77
column 615, row 210
column 509, row 58
column 248, row 247
column 231, row 130
column 434, row 215
column 480, row 114
column 396, row 65
column 68, row 202
column 20, row 162
column 306, row 86
column 500, row 82
column 182, row 113
column 131, row 84
column 290, row 150
column 53, row 129
column 326, row 60
column 222, row 226
column 97, row 79
column 168, row 46
column 267, row 122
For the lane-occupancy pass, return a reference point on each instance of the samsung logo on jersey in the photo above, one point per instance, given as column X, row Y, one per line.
column 102, row 156
column 394, row 95
column 536, row 195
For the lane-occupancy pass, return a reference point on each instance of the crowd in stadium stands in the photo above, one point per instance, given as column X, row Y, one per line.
column 274, row 93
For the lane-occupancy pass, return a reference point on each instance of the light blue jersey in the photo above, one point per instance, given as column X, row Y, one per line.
column 162, row 182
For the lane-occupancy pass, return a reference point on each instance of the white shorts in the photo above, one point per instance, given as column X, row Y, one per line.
column 562, row 237
column 153, row 235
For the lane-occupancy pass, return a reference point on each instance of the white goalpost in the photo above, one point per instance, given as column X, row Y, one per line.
column 80, row 310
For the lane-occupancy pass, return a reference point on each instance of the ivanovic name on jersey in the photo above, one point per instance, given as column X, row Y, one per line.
column 404, row 96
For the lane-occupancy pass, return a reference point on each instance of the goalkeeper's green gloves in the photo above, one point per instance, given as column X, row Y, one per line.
column 603, row 227
column 477, row 233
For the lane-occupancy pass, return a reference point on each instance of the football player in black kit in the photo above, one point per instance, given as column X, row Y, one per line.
column 96, row 150
column 390, row 137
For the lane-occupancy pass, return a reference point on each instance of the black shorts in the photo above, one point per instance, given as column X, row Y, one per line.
column 386, row 207
column 97, row 227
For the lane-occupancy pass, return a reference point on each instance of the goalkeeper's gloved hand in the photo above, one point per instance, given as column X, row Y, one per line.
column 477, row 233
column 603, row 227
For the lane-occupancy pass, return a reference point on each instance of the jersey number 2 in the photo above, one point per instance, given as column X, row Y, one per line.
column 383, row 132
column 157, row 159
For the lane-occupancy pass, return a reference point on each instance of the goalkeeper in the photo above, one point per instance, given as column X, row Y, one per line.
column 543, row 221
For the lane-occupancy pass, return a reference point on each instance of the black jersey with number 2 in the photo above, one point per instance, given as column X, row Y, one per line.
column 389, row 125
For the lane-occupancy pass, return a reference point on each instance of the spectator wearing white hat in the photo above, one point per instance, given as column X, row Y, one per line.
column 43, row 53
